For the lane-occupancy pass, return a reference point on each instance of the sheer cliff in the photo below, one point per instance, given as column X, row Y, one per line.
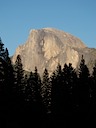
column 47, row 47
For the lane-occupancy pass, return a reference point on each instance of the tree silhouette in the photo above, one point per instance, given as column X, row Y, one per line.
column 2, row 64
column 68, row 88
column 94, row 72
column 46, row 90
column 93, row 88
column 37, row 85
column 68, row 97
column 84, row 87
column 57, row 95
column 9, row 74
column 2, row 51
column 19, row 79
column 6, row 83
column 2, row 80
column 4, row 75
column 29, row 89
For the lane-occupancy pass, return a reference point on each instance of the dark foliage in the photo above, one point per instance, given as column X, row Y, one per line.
column 63, row 99
column 46, row 91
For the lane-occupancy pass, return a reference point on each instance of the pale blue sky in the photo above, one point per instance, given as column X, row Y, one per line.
column 17, row 17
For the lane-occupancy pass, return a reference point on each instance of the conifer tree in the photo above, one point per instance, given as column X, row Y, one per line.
column 29, row 89
column 37, row 86
column 93, row 86
column 2, row 78
column 46, row 90
column 83, row 71
column 68, row 87
column 19, row 77
column 32, row 89
column 83, row 83
column 66, row 82
column 6, row 76
column 1, row 49
column 3, row 71
column 9, row 75
column 56, row 81
column 94, row 72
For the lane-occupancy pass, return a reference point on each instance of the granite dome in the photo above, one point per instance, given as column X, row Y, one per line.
column 47, row 47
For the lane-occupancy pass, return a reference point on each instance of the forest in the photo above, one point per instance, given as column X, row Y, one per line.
column 66, row 98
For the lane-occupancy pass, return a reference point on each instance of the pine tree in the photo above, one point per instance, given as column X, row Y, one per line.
column 83, row 71
column 3, row 72
column 94, row 72
column 46, row 90
column 83, row 83
column 6, row 77
column 68, row 88
column 2, row 78
column 37, row 82
column 1, row 49
column 19, row 77
column 69, row 75
column 93, row 86
column 56, row 81
column 9, row 75
column 29, row 89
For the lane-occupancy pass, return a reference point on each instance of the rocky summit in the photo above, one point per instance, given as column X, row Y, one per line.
column 47, row 47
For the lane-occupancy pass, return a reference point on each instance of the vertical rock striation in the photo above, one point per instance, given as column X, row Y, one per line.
column 47, row 47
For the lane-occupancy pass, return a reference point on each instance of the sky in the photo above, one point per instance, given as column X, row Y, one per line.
column 18, row 17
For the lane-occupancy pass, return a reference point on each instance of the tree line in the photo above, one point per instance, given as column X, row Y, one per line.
column 67, row 96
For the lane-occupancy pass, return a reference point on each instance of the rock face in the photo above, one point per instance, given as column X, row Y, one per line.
column 47, row 47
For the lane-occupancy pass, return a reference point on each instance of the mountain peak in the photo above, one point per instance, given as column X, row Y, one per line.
column 47, row 47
